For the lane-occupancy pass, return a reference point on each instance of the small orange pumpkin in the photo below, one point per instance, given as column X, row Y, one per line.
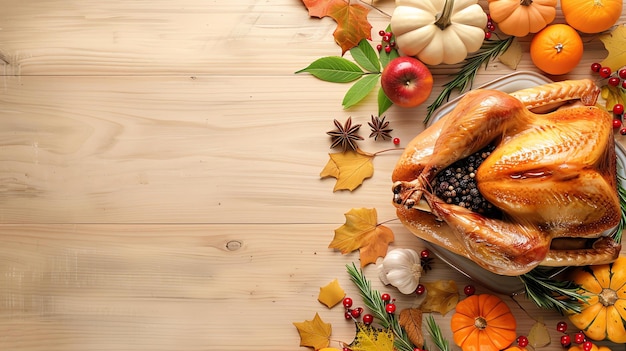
column 522, row 17
column 603, row 314
column 591, row 16
column 483, row 323
column 557, row 49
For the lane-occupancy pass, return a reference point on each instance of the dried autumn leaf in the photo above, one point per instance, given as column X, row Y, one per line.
column 539, row 335
column 441, row 296
column 411, row 320
column 350, row 168
column 369, row 338
column 362, row 231
column 512, row 56
column 352, row 23
column 615, row 44
column 612, row 96
column 314, row 333
column 331, row 294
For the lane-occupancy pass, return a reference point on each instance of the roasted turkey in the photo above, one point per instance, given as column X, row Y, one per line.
column 551, row 174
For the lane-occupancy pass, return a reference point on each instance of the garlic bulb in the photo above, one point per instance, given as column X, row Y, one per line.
column 402, row 269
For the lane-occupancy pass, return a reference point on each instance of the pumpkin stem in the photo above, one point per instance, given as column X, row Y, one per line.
column 444, row 17
column 480, row 323
column 525, row 2
column 607, row 297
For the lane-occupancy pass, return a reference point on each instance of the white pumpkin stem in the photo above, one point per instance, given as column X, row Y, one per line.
column 444, row 18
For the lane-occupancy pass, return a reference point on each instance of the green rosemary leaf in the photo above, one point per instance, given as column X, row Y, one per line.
column 374, row 302
column 436, row 335
column 622, row 202
column 546, row 292
column 465, row 77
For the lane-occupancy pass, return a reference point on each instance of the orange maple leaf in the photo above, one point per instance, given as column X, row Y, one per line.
column 314, row 333
column 352, row 23
column 362, row 231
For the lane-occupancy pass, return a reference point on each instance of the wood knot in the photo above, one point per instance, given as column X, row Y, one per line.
column 234, row 245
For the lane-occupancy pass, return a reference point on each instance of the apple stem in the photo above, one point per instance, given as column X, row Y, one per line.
column 444, row 18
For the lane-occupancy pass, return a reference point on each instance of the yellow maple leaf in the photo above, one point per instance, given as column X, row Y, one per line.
column 369, row 338
column 362, row 231
column 539, row 335
column 314, row 333
column 331, row 294
column 615, row 44
column 350, row 168
column 441, row 296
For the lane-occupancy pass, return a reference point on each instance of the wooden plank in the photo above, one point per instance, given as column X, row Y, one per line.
column 177, row 150
column 173, row 287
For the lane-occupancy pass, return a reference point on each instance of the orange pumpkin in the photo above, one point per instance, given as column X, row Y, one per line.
column 522, row 17
column 603, row 314
column 557, row 49
column 483, row 323
column 591, row 16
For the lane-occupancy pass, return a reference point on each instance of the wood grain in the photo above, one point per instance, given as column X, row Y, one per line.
column 159, row 175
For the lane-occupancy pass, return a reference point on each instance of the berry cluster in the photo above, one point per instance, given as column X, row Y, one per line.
column 387, row 38
column 490, row 28
column 613, row 78
column 579, row 337
column 355, row 313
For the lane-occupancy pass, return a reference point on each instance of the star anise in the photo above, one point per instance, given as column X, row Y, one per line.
column 379, row 128
column 346, row 135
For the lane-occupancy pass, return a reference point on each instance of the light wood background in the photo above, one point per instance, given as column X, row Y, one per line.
column 159, row 175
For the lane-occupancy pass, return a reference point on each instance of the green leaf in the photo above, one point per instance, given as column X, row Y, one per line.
column 383, row 102
column 359, row 90
column 366, row 56
column 334, row 69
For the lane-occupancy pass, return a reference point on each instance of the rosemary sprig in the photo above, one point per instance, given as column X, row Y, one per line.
column 621, row 191
column 374, row 302
column 436, row 335
column 465, row 77
column 546, row 292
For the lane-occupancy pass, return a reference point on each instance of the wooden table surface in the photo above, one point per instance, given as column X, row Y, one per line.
column 159, row 175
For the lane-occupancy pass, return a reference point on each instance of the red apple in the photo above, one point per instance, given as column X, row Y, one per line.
column 406, row 81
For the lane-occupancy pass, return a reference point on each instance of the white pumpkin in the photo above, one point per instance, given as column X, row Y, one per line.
column 438, row 31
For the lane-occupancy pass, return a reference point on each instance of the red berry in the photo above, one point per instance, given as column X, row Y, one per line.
column 390, row 308
column 347, row 315
column 614, row 81
column 624, row 84
column 382, row 33
column 379, row 47
column 618, row 109
column 387, row 48
column 487, row 35
column 622, row 73
column 617, row 123
column 387, row 38
column 561, row 327
column 491, row 27
column 622, row 131
column 347, row 302
column 566, row 341
column 580, row 338
column 469, row 290
column 596, row 67
column 587, row 345
column 522, row 341
column 368, row 319
column 392, row 44
column 605, row 72
column 345, row 349
column 396, row 141
column 385, row 297
column 356, row 313
column 420, row 289
column 425, row 253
